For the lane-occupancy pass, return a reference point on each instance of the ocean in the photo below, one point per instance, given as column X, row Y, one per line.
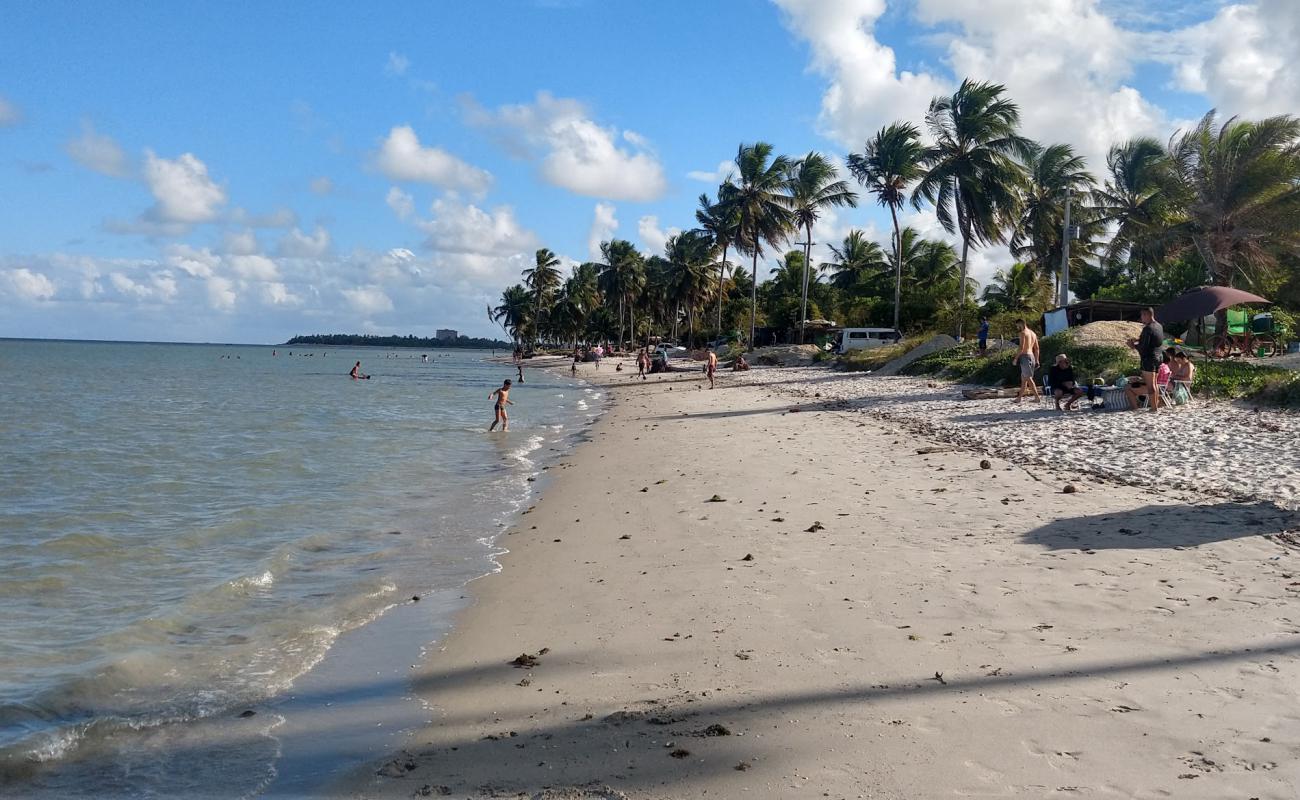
column 186, row 530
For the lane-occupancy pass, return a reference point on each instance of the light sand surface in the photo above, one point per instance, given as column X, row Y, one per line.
column 863, row 620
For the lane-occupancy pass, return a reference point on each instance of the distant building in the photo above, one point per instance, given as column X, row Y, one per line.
column 446, row 333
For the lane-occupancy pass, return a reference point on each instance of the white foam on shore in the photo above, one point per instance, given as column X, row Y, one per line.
column 1218, row 448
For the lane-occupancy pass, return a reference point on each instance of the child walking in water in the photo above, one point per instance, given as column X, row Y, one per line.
column 502, row 396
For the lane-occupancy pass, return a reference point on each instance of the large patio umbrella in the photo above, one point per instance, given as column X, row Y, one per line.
column 1202, row 302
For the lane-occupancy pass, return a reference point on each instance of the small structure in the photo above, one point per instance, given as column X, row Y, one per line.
column 446, row 333
column 1085, row 311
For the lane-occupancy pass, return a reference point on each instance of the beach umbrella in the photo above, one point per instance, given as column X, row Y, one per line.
column 1203, row 302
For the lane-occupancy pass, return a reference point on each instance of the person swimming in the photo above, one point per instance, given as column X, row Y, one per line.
column 502, row 397
column 356, row 375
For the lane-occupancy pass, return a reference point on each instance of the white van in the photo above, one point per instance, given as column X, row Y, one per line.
column 864, row 338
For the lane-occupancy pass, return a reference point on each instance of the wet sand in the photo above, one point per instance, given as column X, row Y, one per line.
column 723, row 596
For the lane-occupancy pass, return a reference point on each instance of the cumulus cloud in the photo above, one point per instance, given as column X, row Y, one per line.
column 1243, row 59
column 653, row 238
column 401, row 157
column 221, row 293
column 240, row 243
column 297, row 244
column 257, row 268
column 402, row 203
column 458, row 227
column 98, row 153
column 576, row 152
column 277, row 294
column 182, row 188
column 717, row 176
column 195, row 262
column 322, row 185
column 368, row 299
column 9, row 113
column 158, row 286
column 29, row 285
column 603, row 225
column 397, row 64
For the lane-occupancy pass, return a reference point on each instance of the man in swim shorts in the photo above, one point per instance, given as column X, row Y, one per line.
column 1027, row 360
column 711, row 368
column 502, row 397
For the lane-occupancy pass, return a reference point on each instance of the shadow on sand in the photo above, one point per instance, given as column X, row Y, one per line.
column 1174, row 525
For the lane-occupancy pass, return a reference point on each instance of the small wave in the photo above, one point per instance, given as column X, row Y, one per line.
column 254, row 581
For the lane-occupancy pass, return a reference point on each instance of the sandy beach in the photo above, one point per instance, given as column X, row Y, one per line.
column 762, row 592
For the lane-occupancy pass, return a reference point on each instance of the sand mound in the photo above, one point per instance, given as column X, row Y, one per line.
column 790, row 355
column 1106, row 334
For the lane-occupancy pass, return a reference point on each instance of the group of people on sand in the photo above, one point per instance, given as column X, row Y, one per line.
column 1159, row 368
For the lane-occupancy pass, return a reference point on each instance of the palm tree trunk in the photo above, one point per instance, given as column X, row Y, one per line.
column 631, row 323
column 722, row 277
column 898, row 265
column 753, row 301
column 961, row 287
column 807, row 265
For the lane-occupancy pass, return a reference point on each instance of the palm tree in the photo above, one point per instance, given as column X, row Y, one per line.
column 891, row 161
column 719, row 219
column 543, row 278
column 1137, row 200
column 814, row 187
column 1052, row 174
column 1020, row 288
column 689, row 254
column 972, row 177
column 759, row 198
column 514, row 312
column 854, row 260
column 622, row 275
column 1240, row 194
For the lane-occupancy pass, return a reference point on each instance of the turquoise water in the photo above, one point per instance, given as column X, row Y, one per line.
column 186, row 529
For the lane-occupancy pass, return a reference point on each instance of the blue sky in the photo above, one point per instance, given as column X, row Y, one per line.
column 247, row 171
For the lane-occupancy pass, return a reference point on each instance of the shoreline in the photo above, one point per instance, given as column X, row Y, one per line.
column 864, row 613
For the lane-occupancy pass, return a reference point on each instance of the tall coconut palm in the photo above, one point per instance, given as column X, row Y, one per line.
column 972, row 177
column 759, row 197
column 1241, row 194
column 689, row 254
column 1052, row 173
column 854, row 260
column 814, row 187
column 892, row 160
column 1019, row 288
column 543, row 278
column 514, row 311
column 622, row 275
column 719, row 219
column 1137, row 198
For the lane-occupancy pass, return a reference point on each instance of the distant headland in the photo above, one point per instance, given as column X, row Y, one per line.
column 370, row 340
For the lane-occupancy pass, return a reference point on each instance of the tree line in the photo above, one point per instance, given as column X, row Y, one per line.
column 410, row 340
column 1216, row 204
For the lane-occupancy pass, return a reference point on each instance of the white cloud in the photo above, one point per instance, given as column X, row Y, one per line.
column 183, row 189
column 29, row 285
column 578, row 154
column 603, row 225
column 9, row 113
column 254, row 268
column 192, row 261
column 397, row 64
column 717, row 176
column 652, row 236
column 368, row 299
column 402, row 203
column 279, row 218
column 126, row 286
column 322, row 185
column 99, row 153
column 240, row 243
column 221, row 293
column 401, row 157
column 1243, row 59
column 297, row 244
column 459, row 227
column 277, row 294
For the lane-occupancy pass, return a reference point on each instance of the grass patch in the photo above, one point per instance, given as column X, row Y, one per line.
column 869, row 360
column 1272, row 385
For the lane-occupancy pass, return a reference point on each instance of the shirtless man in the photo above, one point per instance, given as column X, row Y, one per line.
column 711, row 368
column 502, row 397
column 356, row 375
column 642, row 363
column 1027, row 360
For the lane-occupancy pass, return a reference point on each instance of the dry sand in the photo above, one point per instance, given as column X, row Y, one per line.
column 854, row 618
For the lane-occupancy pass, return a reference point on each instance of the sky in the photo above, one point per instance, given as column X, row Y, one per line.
column 244, row 172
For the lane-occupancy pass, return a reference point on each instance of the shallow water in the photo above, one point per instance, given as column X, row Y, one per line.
column 186, row 530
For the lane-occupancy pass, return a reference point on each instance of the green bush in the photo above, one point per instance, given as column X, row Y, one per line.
column 871, row 359
column 1243, row 379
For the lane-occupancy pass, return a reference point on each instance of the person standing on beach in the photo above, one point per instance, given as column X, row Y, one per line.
column 502, row 397
column 711, row 368
column 642, row 363
column 1027, row 359
column 984, row 335
column 1148, row 346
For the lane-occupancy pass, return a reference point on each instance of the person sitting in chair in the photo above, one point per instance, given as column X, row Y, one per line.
column 1061, row 378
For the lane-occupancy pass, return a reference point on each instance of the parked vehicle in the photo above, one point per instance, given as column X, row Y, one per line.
column 865, row 338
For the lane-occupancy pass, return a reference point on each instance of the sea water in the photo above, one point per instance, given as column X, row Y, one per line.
column 185, row 530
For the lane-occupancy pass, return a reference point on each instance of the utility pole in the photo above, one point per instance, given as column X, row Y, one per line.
column 803, row 305
column 1066, row 234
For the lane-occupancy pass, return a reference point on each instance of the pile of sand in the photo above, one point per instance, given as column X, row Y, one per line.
column 790, row 355
column 1106, row 334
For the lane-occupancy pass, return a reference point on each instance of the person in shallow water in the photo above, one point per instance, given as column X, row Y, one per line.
column 356, row 375
column 502, row 397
